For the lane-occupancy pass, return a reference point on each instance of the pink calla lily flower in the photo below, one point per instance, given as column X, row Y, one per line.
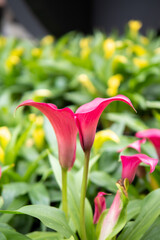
column 100, row 206
column 112, row 217
column 135, row 145
column 153, row 135
column 63, row 123
column 130, row 164
column 87, row 117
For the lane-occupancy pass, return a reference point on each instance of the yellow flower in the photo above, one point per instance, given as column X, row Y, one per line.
column 109, row 47
column 111, row 91
column 138, row 50
column 115, row 80
column 17, row 51
column 36, row 52
column 140, row 63
column 84, row 42
column 12, row 61
column 144, row 40
column 39, row 121
column 5, row 136
column 85, row 81
column 32, row 117
column 2, row 155
column 38, row 136
column 102, row 136
column 3, row 41
column 47, row 40
column 85, row 52
column 134, row 26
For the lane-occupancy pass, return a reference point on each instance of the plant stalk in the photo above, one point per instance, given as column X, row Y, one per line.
column 83, row 196
column 64, row 192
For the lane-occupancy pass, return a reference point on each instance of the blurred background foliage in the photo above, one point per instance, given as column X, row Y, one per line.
column 71, row 71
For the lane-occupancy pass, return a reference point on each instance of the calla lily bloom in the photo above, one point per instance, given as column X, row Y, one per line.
column 63, row 123
column 112, row 217
column 153, row 135
column 87, row 117
column 100, row 206
column 130, row 164
column 135, row 145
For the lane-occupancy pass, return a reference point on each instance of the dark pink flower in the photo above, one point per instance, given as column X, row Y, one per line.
column 153, row 135
column 63, row 123
column 87, row 117
column 100, row 206
column 135, row 145
column 112, row 217
column 130, row 164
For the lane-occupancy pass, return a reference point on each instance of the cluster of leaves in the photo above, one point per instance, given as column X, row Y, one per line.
column 73, row 70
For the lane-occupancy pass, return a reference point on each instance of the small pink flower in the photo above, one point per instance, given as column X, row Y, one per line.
column 153, row 135
column 87, row 117
column 100, row 206
column 63, row 123
column 130, row 164
column 112, row 217
column 135, row 145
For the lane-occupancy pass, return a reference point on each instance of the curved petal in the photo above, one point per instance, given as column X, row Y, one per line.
column 112, row 217
column 100, row 206
column 62, row 120
column 135, row 145
column 87, row 117
column 153, row 135
column 130, row 164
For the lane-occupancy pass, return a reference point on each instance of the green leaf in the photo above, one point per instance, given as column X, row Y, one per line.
column 44, row 236
column 12, row 190
column 153, row 232
column 90, row 229
column 133, row 209
column 38, row 194
column 56, row 169
column 12, row 235
column 149, row 212
column 103, row 179
column 51, row 217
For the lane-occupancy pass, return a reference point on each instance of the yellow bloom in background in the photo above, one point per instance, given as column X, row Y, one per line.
column 17, row 51
column 102, row 136
column 84, row 42
column 113, row 84
column 39, row 121
column 2, row 155
column 47, row 40
column 140, row 63
column 32, row 117
column 5, row 136
column 36, row 52
column 3, row 41
column 138, row 50
column 109, row 47
column 85, row 82
column 153, row 182
column 112, row 91
column 38, row 137
column 134, row 26
column 144, row 40
column 115, row 80
column 12, row 61
column 39, row 94
column 85, row 52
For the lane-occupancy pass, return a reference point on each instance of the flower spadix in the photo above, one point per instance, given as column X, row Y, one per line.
column 153, row 135
column 63, row 123
column 130, row 164
column 87, row 117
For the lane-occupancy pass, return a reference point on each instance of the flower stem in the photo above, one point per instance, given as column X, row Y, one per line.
column 83, row 195
column 64, row 192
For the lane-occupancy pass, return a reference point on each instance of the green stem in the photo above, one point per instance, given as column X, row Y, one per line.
column 64, row 192
column 83, row 195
